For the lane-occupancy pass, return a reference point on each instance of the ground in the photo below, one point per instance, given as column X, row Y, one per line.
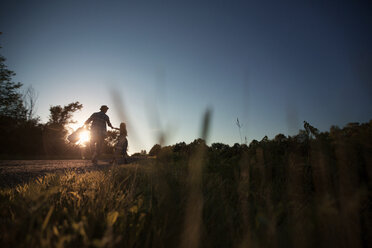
column 13, row 172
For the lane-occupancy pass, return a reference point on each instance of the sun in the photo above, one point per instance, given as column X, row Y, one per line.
column 82, row 134
column 84, row 137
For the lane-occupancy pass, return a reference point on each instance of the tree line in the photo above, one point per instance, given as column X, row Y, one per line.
column 22, row 133
column 307, row 190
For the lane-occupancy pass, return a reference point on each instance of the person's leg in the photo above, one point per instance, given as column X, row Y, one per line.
column 93, row 147
column 99, row 143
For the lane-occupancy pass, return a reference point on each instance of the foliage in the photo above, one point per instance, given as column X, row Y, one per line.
column 55, row 132
column 298, row 191
column 11, row 104
column 155, row 150
column 29, row 101
column 61, row 116
column 14, row 120
column 21, row 133
column 110, row 141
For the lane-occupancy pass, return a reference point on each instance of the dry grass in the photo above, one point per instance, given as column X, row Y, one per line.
column 272, row 194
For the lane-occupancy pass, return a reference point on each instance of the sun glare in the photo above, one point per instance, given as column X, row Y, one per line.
column 84, row 137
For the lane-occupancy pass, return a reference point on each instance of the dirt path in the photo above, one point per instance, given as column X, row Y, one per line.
column 13, row 172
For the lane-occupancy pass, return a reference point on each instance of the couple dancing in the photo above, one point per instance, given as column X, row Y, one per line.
column 98, row 134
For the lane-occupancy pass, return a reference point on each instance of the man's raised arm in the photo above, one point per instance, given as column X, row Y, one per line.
column 109, row 123
column 89, row 120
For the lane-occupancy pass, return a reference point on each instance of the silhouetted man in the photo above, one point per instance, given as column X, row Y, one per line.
column 98, row 131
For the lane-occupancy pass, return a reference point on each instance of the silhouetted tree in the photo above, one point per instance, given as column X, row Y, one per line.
column 180, row 147
column 29, row 101
column 11, row 104
column 62, row 116
column 219, row 147
column 55, row 131
column 13, row 113
column 155, row 150
column 280, row 138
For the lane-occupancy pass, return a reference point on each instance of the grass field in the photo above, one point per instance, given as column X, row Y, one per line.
column 274, row 193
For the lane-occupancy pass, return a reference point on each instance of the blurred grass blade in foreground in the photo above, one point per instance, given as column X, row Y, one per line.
column 194, row 209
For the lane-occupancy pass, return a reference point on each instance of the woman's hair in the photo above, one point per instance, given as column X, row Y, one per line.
column 123, row 129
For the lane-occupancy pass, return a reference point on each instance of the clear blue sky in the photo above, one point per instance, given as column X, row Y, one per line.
column 272, row 64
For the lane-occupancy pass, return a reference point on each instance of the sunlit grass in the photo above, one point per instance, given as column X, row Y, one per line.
column 274, row 193
column 72, row 209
